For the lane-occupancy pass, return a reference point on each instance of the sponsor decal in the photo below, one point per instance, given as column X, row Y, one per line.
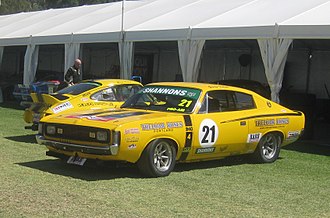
column 282, row 121
column 178, row 124
column 161, row 127
column 205, row 150
column 267, row 122
column 132, row 139
column 208, row 133
column 132, row 131
column 98, row 103
column 185, row 92
column 167, row 91
column 62, row 107
column 175, row 109
column 254, row 137
column 84, row 99
column 293, row 135
column 186, row 149
column 272, row 122
column 152, row 126
column 132, row 146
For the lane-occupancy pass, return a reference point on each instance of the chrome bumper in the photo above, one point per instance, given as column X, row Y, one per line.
column 100, row 150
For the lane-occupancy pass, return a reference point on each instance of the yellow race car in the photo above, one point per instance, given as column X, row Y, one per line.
column 89, row 94
column 165, row 123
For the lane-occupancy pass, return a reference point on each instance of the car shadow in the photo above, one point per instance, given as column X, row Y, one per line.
column 228, row 161
column 88, row 172
column 23, row 138
column 310, row 146
column 94, row 171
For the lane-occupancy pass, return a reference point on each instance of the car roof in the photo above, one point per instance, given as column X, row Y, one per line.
column 111, row 82
column 202, row 86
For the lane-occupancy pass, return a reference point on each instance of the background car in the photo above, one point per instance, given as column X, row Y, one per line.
column 252, row 85
column 165, row 123
column 89, row 94
column 45, row 82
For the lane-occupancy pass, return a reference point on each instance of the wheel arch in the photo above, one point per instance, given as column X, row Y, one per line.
column 169, row 139
column 277, row 132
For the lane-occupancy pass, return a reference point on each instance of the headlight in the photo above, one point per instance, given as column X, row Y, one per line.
column 40, row 128
column 101, row 135
column 50, row 130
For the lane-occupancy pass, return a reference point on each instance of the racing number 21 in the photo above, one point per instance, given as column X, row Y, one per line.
column 185, row 103
column 207, row 131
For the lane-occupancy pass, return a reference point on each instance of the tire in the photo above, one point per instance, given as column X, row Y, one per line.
column 158, row 159
column 268, row 148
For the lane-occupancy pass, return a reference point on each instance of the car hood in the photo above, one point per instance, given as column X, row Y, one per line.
column 108, row 118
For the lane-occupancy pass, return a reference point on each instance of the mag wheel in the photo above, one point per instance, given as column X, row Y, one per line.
column 268, row 148
column 158, row 159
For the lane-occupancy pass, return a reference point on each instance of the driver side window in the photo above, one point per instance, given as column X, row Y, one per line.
column 104, row 95
column 220, row 101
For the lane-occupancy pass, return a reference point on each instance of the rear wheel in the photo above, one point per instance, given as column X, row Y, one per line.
column 158, row 159
column 268, row 148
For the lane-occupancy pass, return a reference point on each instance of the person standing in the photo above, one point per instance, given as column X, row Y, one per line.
column 72, row 75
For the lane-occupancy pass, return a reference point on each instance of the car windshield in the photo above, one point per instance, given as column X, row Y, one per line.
column 116, row 93
column 164, row 98
column 79, row 88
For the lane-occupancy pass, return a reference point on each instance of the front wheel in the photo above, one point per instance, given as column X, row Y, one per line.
column 158, row 159
column 268, row 148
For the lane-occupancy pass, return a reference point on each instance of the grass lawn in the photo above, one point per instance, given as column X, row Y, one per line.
column 34, row 185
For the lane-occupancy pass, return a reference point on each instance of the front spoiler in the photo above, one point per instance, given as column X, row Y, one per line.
column 99, row 150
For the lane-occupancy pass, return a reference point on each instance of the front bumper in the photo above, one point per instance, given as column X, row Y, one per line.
column 98, row 150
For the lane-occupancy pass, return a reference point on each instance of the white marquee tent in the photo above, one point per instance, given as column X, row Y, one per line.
column 273, row 23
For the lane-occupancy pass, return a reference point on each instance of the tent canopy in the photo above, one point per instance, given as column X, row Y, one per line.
column 164, row 20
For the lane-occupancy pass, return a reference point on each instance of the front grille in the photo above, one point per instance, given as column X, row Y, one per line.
column 78, row 133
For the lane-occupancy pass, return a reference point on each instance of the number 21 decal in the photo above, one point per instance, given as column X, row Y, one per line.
column 208, row 133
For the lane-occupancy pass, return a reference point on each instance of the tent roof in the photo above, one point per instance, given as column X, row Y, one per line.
column 165, row 20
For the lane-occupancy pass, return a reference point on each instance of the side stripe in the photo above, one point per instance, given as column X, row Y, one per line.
column 262, row 116
column 188, row 140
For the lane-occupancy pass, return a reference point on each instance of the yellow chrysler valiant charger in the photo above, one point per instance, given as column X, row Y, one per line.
column 89, row 94
column 165, row 123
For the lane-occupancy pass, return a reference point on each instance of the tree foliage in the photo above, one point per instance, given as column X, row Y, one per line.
column 10, row 6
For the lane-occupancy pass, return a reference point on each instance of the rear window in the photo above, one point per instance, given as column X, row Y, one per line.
column 79, row 88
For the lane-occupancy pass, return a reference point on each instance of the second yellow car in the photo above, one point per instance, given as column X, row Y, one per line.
column 89, row 94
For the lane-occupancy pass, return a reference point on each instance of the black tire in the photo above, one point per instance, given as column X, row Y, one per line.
column 268, row 148
column 157, row 159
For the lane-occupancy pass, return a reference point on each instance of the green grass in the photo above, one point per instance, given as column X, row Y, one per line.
column 34, row 185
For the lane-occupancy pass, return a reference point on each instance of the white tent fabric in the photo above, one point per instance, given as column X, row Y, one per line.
column 159, row 20
column 126, row 59
column 190, row 55
column 30, row 63
column 274, row 53
column 71, row 53
column 166, row 20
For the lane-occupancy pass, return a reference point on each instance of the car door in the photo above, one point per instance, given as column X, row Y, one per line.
column 221, row 126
